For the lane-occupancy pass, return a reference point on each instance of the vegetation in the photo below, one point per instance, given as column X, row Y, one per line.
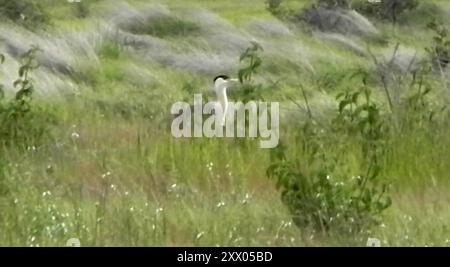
column 363, row 151
column 440, row 50
column 29, row 13
column 386, row 9
column 165, row 26
column 23, row 124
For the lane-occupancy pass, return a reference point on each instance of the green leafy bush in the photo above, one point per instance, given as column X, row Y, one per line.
column 23, row 123
column 275, row 8
column 252, row 62
column 385, row 9
column 439, row 51
column 28, row 13
column 320, row 196
column 334, row 3
column 81, row 9
column 320, row 193
column 165, row 26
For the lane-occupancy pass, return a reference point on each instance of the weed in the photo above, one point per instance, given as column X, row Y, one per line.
column 334, row 3
column 276, row 8
column 23, row 123
column 317, row 191
column 166, row 26
column 250, row 57
column 28, row 13
column 439, row 51
column 385, row 9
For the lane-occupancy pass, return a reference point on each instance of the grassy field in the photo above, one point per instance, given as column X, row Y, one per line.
column 111, row 174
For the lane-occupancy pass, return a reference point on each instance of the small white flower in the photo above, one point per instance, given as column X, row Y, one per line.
column 199, row 235
column 373, row 242
column 75, row 135
column 159, row 210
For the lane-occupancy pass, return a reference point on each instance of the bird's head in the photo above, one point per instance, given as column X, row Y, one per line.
column 220, row 83
column 221, row 79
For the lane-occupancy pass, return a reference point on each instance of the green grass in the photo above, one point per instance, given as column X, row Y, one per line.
column 163, row 27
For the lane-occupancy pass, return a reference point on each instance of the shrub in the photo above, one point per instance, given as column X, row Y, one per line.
column 81, row 9
column 278, row 10
column 165, row 26
column 274, row 5
column 24, row 125
column 318, row 191
column 385, row 9
column 439, row 51
column 319, row 196
column 334, row 3
column 275, row 8
column 28, row 13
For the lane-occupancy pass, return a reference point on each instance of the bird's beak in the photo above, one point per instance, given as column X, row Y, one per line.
column 233, row 82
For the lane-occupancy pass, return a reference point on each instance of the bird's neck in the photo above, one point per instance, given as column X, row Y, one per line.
column 222, row 96
column 223, row 93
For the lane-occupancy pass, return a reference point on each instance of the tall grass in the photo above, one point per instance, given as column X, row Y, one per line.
column 112, row 175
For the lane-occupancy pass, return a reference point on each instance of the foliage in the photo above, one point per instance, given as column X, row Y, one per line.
column 23, row 123
column 166, row 26
column 321, row 195
column 439, row 51
column 278, row 10
column 334, row 3
column 81, row 9
column 275, row 8
column 417, row 110
column 385, row 9
column 28, row 13
column 252, row 62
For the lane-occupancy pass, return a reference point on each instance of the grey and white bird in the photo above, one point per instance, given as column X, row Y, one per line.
column 221, row 85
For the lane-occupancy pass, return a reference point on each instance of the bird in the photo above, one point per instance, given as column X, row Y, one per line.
column 221, row 84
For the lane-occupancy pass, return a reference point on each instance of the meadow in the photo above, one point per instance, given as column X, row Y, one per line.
column 87, row 152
